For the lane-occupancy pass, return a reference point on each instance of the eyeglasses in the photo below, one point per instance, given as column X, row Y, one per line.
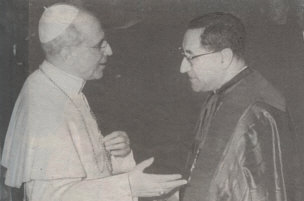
column 101, row 45
column 190, row 58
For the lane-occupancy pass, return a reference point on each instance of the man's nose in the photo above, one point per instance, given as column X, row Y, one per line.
column 108, row 51
column 185, row 66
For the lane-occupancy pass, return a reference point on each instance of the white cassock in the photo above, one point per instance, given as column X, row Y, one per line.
column 55, row 162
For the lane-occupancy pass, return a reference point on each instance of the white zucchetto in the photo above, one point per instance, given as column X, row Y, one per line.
column 55, row 20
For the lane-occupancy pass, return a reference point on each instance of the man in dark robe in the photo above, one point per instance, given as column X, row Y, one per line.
column 244, row 148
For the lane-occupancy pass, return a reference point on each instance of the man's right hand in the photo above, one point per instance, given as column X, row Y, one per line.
column 151, row 185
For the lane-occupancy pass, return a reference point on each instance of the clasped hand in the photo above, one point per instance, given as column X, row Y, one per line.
column 117, row 143
column 142, row 184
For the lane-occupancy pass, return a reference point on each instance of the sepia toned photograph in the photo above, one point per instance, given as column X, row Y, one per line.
column 152, row 100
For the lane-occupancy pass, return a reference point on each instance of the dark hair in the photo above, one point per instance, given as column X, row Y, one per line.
column 221, row 30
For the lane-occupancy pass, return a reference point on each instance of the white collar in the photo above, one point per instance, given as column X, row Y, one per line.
column 245, row 67
column 67, row 82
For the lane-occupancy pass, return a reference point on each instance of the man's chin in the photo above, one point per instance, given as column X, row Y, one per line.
column 97, row 74
column 196, row 88
column 97, row 77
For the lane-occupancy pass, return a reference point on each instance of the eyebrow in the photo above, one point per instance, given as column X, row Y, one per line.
column 100, row 42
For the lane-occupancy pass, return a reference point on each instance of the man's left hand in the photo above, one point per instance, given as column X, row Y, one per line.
column 118, row 143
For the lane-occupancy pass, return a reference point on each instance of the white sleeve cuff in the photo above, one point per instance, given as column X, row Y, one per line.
column 123, row 164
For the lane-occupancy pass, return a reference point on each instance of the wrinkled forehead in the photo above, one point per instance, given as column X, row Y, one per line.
column 90, row 28
column 192, row 39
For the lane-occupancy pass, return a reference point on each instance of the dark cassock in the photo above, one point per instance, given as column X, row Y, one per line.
column 244, row 148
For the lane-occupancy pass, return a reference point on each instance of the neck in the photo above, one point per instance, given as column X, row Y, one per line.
column 59, row 63
column 237, row 65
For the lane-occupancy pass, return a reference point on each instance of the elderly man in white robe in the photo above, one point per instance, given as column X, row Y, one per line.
column 53, row 144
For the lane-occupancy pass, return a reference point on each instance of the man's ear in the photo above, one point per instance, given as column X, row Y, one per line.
column 227, row 56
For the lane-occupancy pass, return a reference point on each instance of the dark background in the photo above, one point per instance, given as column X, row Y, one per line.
column 142, row 91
